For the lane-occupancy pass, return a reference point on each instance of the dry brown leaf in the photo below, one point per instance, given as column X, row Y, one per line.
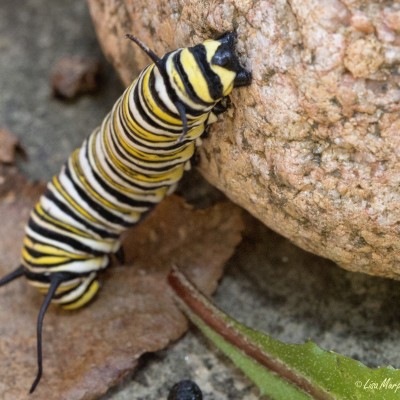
column 9, row 144
column 87, row 351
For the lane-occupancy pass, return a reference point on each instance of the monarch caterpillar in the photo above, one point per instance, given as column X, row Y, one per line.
column 122, row 170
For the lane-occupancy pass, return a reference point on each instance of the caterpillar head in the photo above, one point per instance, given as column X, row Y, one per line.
column 224, row 61
column 207, row 72
column 197, row 78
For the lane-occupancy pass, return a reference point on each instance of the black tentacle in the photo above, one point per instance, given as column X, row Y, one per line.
column 12, row 275
column 55, row 283
column 182, row 113
column 154, row 57
column 120, row 255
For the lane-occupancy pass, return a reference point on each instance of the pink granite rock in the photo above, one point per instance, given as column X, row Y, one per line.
column 312, row 148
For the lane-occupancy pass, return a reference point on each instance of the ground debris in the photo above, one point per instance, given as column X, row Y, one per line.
column 73, row 75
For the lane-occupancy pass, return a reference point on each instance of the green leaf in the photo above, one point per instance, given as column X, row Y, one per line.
column 284, row 371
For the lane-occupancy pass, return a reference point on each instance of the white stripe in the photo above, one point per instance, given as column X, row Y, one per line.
column 143, row 165
column 63, row 200
column 134, row 179
column 75, row 267
column 139, row 119
column 52, row 209
column 70, row 189
column 88, row 171
column 77, row 292
column 183, row 97
column 92, row 243
column 136, row 194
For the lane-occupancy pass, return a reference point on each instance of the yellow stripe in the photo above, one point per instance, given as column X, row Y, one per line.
column 71, row 201
column 94, row 194
column 85, row 298
column 139, row 154
column 139, row 130
column 66, row 288
column 193, row 133
column 44, row 260
column 148, row 97
column 195, row 76
column 175, row 172
column 227, row 77
column 59, row 223
column 60, row 290
column 48, row 249
column 158, row 192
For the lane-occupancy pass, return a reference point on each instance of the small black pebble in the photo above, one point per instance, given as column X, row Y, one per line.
column 185, row 390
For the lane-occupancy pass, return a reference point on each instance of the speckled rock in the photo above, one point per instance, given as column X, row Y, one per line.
column 312, row 148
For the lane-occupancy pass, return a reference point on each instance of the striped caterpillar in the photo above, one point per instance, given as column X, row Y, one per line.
column 122, row 170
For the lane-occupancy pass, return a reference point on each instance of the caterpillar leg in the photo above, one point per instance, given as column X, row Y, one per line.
column 222, row 105
column 55, row 282
column 120, row 255
column 12, row 275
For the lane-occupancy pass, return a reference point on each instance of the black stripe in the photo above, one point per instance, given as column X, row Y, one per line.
column 152, row 147
column 171, row 91
column 115, row 193
column 213, row 80
column 76, row 244
column 133, row 183
column 107, row 215
column 104, row 234
column 130, row 159
column 190, row 92
column 67, row 292
column 46, row 278
column 145, row 114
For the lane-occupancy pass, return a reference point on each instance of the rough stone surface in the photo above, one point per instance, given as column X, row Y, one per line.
column 312, row 147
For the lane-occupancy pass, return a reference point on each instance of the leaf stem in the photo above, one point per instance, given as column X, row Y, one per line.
column 193, row 302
